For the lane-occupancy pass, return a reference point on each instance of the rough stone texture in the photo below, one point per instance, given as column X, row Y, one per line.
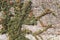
column 39, row 7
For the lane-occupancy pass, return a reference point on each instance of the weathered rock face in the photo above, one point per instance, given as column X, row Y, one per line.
column 39, row 7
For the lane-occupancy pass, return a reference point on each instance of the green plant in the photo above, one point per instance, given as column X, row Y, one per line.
column 12, row 23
